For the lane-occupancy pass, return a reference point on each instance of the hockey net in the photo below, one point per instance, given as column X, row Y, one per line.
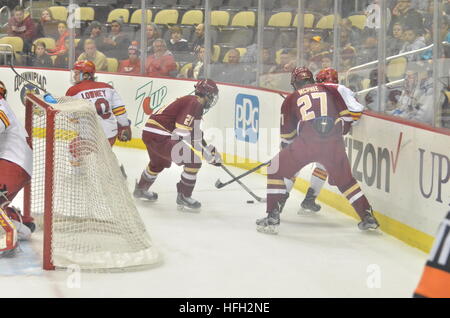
column 78, row 195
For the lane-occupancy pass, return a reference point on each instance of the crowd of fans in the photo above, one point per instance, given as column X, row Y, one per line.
column 175, row 53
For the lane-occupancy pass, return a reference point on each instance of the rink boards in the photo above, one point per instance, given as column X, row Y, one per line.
column 403, row 168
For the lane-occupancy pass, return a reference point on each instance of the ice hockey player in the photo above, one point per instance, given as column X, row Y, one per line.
column 108, row 103
column 289, row 132
column 172, row 134
column 16, row 164
column 322, row 117
column 435, row 280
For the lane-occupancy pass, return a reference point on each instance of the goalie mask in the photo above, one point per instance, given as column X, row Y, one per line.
column 207, row 88
column 83, row 70
column 327, row 75
column 3, row 90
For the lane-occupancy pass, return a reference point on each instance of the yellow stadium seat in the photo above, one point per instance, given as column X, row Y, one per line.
column 244, row 18
column 136, row 17
column 326, row 22
column 49, row 42
column 365, row 83
column 396, row 68
column 184, row 70
column 85, row 13
column 309, row 20
column 168, row 16
column 192, row 17
column 242, row 51
column 59, row 13
column 118, row 13
column 280, row 19
column 15, row 41
column 113, row 64
column 215, row 53
column 358, row 20
column 220, row 18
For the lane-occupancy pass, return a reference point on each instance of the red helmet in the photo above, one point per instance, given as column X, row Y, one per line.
column 209, row 89
column 2, row 90
column 328, row 75
column 300, row 74
column 85, row 67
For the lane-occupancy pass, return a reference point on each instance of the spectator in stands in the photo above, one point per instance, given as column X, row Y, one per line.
column 348, row 58
column 62, row 60
column 152, row 32
column 327, row 60
column 354, row 34
column 40, row 58
column 46, row 17
column 93, row 32
column 198, row 70
column 91, row 54
column 116, row 43
column 416, row 100
column 199, row 37
column 413, row 41
column 395, row 42
column 407, row 16
column 161, row 62
column 233, row 71
column 176, row 42
column 369, row 50
column 287, row 62
column 133, row 64
column 392, row 94
column 22, row 27
column 60, row 45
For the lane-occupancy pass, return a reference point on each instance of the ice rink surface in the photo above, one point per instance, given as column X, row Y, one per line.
column 219, row 253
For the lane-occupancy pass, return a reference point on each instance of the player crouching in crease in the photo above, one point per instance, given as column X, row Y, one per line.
column 172, row 134
column 322, row 117
column 16, row 163
column 108, row 103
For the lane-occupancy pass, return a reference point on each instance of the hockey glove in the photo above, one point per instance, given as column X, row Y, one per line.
column 212, row 156
column 124, row 132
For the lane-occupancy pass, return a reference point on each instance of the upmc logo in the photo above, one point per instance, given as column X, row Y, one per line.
column 246, row 123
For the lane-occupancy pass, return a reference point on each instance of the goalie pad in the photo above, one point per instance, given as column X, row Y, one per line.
column 8, row 233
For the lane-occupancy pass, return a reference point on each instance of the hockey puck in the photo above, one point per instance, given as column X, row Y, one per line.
column 250, row 201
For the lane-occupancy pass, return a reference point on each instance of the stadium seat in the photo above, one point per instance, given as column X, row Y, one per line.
column 365, row 83
column 168, row 16
column 396, row 68
column 119, row 13
column 49, row 42
column 326, row 22
column 358, row 20
column 216, row 53
column 183, row 73
column 280, row 19
column 136, row 17
column 16, row 43
column 235, row 36
column 192, row 17
column 244, row 18
column 85, row 13
column 242, row 51
column 309, row 20
column 59, row 13
column 220, row 18
column 113, row 64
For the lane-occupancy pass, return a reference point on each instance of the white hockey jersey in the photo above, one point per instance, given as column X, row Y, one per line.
column 13, row 139
column 109, row 106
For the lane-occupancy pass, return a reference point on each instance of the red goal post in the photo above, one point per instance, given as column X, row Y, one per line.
column 77, row 193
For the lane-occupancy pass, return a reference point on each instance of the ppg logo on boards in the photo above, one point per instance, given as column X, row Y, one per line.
column 246, row 122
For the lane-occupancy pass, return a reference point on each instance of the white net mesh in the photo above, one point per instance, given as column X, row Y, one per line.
column 95, row 222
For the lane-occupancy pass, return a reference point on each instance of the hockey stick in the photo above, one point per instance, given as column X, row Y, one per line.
column 219, row 184
column 47, row 96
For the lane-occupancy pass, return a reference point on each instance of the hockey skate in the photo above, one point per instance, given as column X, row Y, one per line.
column 269, row 224
column 368, row 222
column 309, row 203
column 145, row 195
column 187, row 204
